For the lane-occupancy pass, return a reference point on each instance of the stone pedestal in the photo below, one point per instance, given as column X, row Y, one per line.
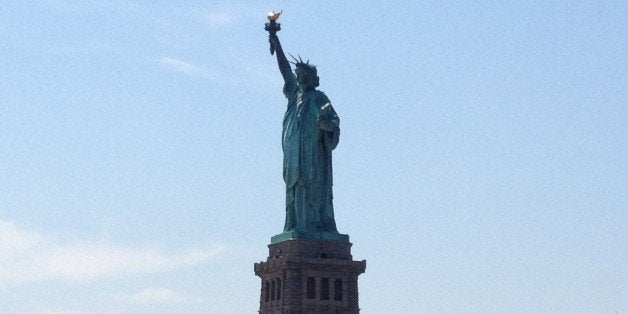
column 303, row 276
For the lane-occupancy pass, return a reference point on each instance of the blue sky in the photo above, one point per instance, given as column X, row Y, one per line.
column 481, row 167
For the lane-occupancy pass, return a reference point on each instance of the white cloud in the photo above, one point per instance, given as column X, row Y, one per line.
column 27, row 257
column 84, row 7
column 182, row 66
column 60, row 311
column 159, row 296
column 219, row 19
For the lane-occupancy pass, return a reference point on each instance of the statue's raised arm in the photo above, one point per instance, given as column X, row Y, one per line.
column 275, row 46
column 282, row 61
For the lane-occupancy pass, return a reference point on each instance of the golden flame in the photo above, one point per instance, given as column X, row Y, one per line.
column 273, row 16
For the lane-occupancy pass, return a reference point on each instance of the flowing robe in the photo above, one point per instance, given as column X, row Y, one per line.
column 307, row 167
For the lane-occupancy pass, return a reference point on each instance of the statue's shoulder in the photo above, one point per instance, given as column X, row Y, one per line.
column 290, row 85
column 320, row 95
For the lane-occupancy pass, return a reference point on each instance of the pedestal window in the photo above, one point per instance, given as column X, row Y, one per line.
column 324, row 288
column 311, row 288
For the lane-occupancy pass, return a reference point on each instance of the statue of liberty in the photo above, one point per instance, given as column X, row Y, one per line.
column 310, row 133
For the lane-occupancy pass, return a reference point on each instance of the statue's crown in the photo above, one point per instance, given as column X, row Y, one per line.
column 304, row 65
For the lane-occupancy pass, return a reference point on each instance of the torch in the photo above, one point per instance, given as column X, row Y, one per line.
column 272, row 26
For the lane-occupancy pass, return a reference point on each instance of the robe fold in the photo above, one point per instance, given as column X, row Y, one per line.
column 307, row 163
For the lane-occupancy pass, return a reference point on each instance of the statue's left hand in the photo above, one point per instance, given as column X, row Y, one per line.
column 328, row 125
column 327, row 119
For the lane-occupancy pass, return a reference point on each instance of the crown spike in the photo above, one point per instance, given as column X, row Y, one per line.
column 293, row 58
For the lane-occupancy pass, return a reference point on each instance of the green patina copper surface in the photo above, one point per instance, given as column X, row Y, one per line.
column 327, row 236
column 310, row 132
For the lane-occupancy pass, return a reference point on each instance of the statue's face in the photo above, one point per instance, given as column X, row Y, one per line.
column 303, row 78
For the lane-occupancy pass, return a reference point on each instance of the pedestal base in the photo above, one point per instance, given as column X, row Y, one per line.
column 303, row 276
column 324, row 236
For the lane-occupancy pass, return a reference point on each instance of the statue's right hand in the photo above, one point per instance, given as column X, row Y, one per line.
column 274, row 42
column 272, row 39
